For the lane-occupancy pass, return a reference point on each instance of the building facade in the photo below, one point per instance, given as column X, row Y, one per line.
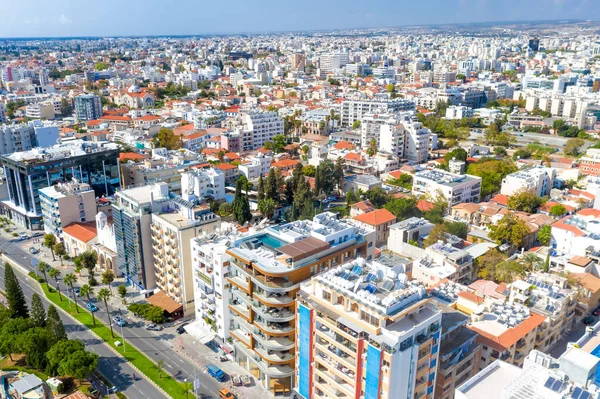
column 66, row 203
column 88, row 107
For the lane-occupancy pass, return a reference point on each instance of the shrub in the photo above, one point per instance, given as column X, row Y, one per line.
column 39, row 279
column 15, row 235
column 121, row 395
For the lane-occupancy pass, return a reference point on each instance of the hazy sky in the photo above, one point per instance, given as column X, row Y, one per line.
column 26, row 18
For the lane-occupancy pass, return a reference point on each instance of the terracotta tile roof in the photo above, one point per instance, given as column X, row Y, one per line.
column 232, row 156
column 352, row 156
column 148, row 118
column 76, row 395
column 286, row 163
column 582, row 193
column 134, row 156
column 470, row 296
column 468, row 206
column 510, row 337
column 165, row 302
column 364, row 206
column 424, row 205
column 548, row 205
column 589, row 212
column 225, row 166
column 343, row 145
column 395, row 174
column 116, row 118
column 500, row 199
column 83, row 232
column 563, row 226
column 587, row 280
column 579, row 261
column 376, row 217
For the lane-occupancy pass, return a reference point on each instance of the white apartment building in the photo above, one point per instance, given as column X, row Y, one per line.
column 43, row 110
column 577, row 234
column 256, row 166
column 172, row 232
column 452, row 187
column 355, row 110
column 539, row 180
column 202, row 183
column 572, row 376
column 332, row 61
column 3, row 118
column 261, row 127
column 66, row 203
column 459, row 112
column 417, row 142
column 24, row 137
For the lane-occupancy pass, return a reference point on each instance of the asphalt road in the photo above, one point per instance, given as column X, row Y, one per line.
column 155, row 345
column 115, row 368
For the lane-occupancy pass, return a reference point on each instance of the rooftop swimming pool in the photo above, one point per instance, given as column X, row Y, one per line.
column 271, row 241
column 596, row 352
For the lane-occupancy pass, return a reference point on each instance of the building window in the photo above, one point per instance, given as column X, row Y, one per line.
column 327, row 296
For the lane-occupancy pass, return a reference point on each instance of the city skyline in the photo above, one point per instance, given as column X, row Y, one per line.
column 130, row 19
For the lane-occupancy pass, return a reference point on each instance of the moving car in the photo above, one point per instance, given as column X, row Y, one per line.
column 181, row 329
column 34, row 250
column 118, row 320
column 588, row 320
column 77, row 291
column 91, row 307
column 224, row 393
column 153, row 327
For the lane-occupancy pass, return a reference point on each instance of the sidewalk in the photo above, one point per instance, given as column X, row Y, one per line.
column 202, row 355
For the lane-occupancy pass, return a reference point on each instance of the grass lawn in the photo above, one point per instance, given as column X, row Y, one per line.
column 142, row 362
column 18, row 364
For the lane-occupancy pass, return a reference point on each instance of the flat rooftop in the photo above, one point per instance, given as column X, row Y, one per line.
column 446, row 178
column 491, row 381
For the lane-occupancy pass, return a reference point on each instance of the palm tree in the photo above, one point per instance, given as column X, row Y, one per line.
column 69, row 280
column 160, row 365
column 531, row 261
column 88, row 291
column 187, row 388
column 267, row 206
column 103, row 295
column 43, row 267
column 55, row 274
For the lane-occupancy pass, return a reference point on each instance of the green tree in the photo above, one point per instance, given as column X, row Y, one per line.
column 510, row 230
column 372, row 150
column 356, row 125
column 545, row 235
column 491, row 171
column 160, row 366
column 10, row 332
column 104, row 295
column 35, row 343
column 100, row 66
column 55, row 274
column 531, row 262
column 488, row 262
column 458, row 153
column 165, row 138
column 404, row 180
column 438, row 233
column 377, row 196
column 403, row 208
column 38, row 313
column 267, row 207
column 277, row 145
column 59, row 249
column 87, row 290
column 458, row 229
column 260, row 190
column 14, row 294
column 573, row 146
column 49, row 242
column 88, row 260
column 69, row 280
column 65, row 107
column 44, row 268
column 60, row 351
column 108, row 277
column 525, row 201
column 500, row 151
column 309, row 170
column 240, row 205
column 122, row 291
column 80, row 364
column 54, row 324
column 558, row 210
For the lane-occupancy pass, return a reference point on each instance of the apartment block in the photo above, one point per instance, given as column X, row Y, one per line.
column 259, row 127
column 453, row 188
column 172, row 230
column 66, row 203
column 24, row 137
column 364, row 330
column 88, row 107
column 198, row 184
column 265, row 273
column 256, row 166
column 355, row 110
column 538, row 180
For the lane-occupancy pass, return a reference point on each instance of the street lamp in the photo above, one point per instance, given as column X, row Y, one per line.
column 122, row 337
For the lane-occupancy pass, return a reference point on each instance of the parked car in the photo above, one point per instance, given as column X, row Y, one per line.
column 596, row 311
column 24, row 236
column 588, row 320
column 216, row 372
column 181, row 329
column 91, row 307
column 224, row 393
column 118, row 320
column 77, row 291
column 38, row 234
column 34, row 250
column 153, row 327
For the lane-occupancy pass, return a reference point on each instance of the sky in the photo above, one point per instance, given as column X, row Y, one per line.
column 60, row 18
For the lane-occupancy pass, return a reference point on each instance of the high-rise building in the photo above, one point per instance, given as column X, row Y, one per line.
column 333, row 61
column 297, row 62
column 355, row 110
column 364, row 330
column 534, row 44
column 265, row 273
column 259, row 127
column 29, row 171
column 88, row 107
column 24, row 137
column 66, row 203
column 172, row 232
column 132, row 216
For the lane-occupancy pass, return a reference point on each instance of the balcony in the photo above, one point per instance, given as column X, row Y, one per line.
column 335, row 381
column 343, row 371
column 276, row 357
column 273, row 299
column 273, row 328
column 273, row 343
column 239, row 282
column 241, row 336
column 274, row 314
column 240, row 309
